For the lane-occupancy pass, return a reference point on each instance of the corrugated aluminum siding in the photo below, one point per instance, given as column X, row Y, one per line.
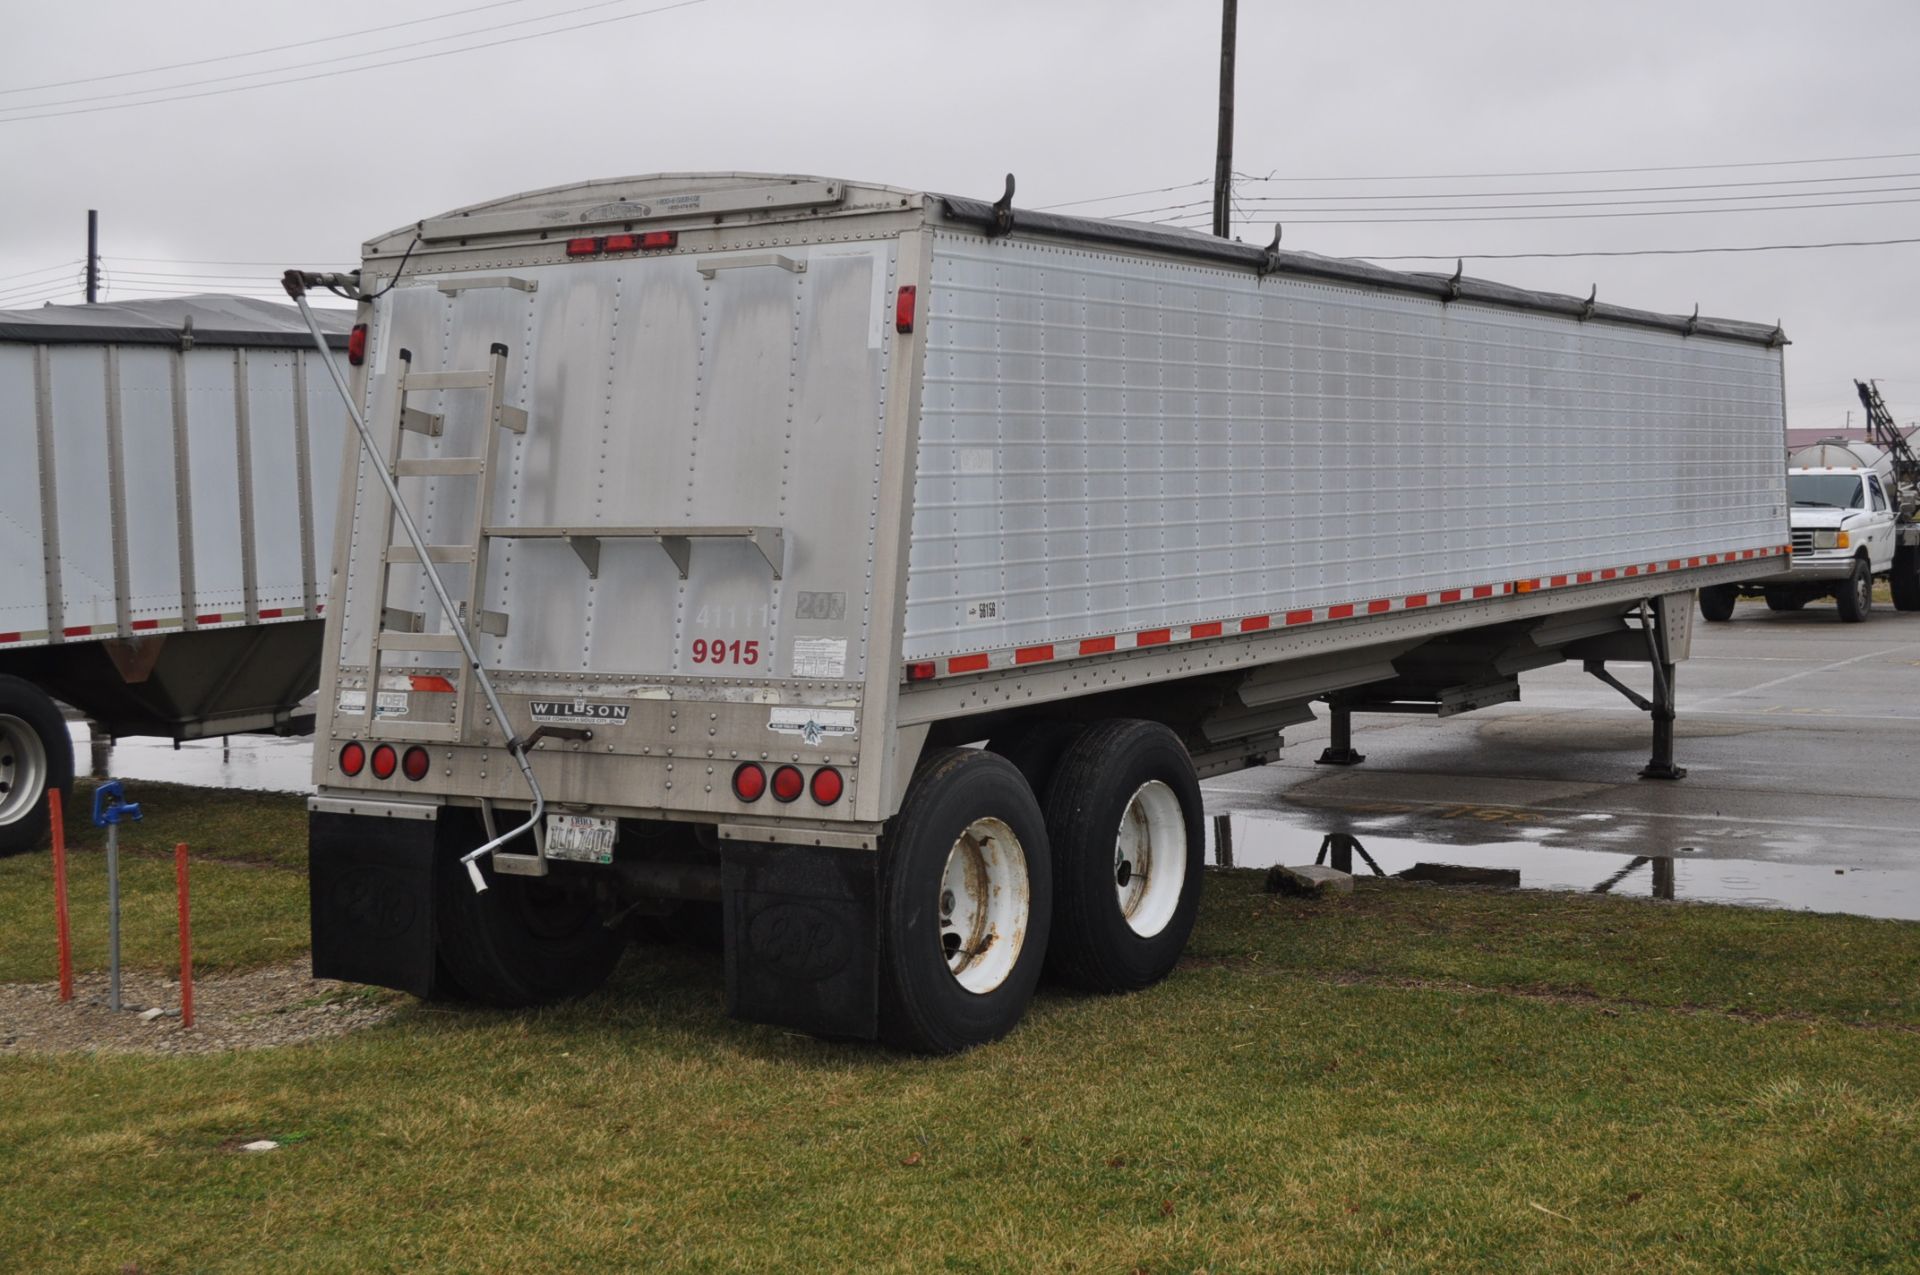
column 1111, row 443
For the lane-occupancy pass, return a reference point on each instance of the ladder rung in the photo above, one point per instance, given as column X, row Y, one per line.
column 392, row 641
column 449, row 381
column 427, row 466
column 432, row 424
column 400, row 620
column 404, row 555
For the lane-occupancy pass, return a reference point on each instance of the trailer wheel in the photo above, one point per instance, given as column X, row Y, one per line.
column 1856, row 595
column 1906, row 579
column 1716, row 601
column 36, row 757
column 526, row 941
column 965, row 899
column 1124, row 816
column 1783, row 600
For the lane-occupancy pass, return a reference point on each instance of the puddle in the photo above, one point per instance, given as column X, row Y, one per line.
column 261, row 763
column 1893, row 893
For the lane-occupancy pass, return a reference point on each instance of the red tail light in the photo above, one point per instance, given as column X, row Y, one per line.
column 827, row 786
column 749, row 781
column 655, row 239
column 353, row 759
column 788, row 784
column 582, row 247
column 920, row 671
column 415, row 764
column 903, row 309
column 622, row 243
column 384, row 761
column 357, row 345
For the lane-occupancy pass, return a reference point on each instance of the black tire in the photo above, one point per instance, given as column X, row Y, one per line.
column 1034, row 748
column 924, row 1006
column 1716, row 602
column 1855, row 597
column 1782, row 600
column 525, row 941
column 1906, row 579
column 36, row 758
column 1095, row 945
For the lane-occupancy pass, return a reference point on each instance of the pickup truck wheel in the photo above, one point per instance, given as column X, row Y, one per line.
column 36, row 757
column 526, row 941
column 1716, row 601
column 1856, row 596
column 1124, row 816
column 965, row 899
column 1782, row 600
column 1905, row 579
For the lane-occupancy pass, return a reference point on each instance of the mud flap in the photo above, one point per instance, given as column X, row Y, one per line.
column 370, row 891
column 802, row 937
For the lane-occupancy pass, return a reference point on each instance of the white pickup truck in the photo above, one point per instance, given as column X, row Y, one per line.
column 1848, row 530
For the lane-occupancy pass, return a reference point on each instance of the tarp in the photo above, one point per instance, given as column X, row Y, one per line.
column 217, row 319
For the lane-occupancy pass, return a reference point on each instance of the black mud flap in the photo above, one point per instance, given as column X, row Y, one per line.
column 802, row 942
column 370, row 885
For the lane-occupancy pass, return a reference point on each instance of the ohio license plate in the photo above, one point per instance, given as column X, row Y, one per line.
column 580, row 838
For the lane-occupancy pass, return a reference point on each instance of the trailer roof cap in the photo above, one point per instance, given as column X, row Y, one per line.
column 206, row 319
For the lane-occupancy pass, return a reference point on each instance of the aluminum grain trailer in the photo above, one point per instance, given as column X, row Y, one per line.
column 163, row 555
column 761, row 498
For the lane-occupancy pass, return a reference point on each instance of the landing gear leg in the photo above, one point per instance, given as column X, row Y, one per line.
column 1339, row 750
column 1661, row 766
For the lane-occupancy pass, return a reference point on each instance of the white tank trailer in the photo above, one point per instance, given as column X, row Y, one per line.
column 765, row 501
column 166, row 511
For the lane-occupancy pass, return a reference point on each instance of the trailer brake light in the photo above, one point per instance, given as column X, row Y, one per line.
column 357, row 345
column 583, row 247
column 749, row 781
column 788, row 784
column 416, row 763
column 903, row 309
column 827, row 786
column 385, row 760
column 353, row 759
column 622, row 243
column 654, row 240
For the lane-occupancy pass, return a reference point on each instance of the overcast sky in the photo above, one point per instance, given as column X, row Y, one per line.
column 1399, row 103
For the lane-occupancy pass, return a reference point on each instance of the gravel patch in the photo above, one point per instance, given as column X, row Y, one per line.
column 257, row 1009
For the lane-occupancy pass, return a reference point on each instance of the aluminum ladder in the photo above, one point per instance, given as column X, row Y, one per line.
column 401, row 630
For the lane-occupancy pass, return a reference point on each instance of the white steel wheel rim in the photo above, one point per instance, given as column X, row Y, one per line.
column 23, row 768
column 1150, row 858
column 984, row 901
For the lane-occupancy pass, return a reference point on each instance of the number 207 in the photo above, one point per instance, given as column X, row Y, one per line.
column 720, row 651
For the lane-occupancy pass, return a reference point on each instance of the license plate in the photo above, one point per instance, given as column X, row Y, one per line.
column 580, row 838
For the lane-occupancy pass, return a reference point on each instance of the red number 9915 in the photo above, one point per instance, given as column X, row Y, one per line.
column 721, row 651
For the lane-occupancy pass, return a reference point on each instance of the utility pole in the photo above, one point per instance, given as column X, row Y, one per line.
column 1223, row 151
column 93, row 255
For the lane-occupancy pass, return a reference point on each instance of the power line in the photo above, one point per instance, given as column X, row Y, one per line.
column 276, row 48
column 57, row 290
column 1604, row 190
column 1584, row 216
column 1646, row 252
column 300, row 66
column 1125, row 194
column 189, row 261
column 349, row 70
column 43, row 270
column 36, row 285
column 1591, row 172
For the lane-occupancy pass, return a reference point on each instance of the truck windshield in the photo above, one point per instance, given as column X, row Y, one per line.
column 1834, row 491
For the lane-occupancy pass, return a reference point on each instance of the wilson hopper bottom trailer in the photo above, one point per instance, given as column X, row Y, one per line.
column 759, row 499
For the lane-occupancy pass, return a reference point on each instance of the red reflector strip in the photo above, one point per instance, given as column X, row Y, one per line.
column 1306, row 617
column 1204, row 630
column 1450, row 595
column 966, row 663
column 78, row 630
column 1032, row 654
column 583, row 247
column 273, row 614
column 1254, row 623
column 431, row 683
column 1416, row 600
column 213, row 618
column 1482, row 590
column 1376, row 607
column 9, row 637
column 1153, row 637
column 657, row 239
column 139, row 625
column 1096, row 646
column 1342, row 612
column 622, row 243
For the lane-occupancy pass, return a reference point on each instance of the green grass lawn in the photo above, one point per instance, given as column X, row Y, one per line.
column 1407, row 1079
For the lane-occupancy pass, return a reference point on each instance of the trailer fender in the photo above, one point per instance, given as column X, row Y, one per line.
column 801, row 941
column 371, row 892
